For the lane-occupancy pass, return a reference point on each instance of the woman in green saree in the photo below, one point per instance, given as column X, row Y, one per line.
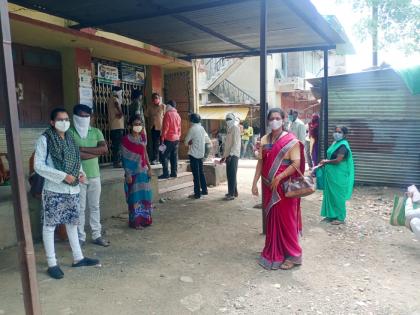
column 337, row 178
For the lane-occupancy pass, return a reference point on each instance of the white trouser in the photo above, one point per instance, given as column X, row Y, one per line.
column 48, row 238
column 90, row 195
column 413, row 216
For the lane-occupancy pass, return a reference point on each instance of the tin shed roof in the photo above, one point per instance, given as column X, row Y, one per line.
column 201, row 27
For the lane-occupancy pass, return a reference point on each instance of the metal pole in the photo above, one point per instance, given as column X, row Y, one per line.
column 8, row 105
column 325, row 101
column 263, row 86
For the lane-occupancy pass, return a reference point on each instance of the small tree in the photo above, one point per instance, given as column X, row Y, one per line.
column 389, row 23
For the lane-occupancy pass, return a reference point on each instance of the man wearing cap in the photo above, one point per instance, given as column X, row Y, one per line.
column 116, row 124
column 171, row 133
column 231, row 154
column 92, row 144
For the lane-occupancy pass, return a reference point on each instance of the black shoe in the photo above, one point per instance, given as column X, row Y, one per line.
column 204, row 193
column 163, row 177
column 174, row 175
column 229, row 198
column 86, row 262
column 194, row 196
column 101, row 242
column 55, row 272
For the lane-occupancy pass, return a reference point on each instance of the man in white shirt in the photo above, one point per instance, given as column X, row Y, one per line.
column 196, row 139
column 412, row 216
column 232, row 153
column 296, row 126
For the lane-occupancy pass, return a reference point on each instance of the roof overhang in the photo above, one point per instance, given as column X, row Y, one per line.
column 41, row 34
column 201, row 28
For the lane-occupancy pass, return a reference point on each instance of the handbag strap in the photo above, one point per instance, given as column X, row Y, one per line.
column 298, row 170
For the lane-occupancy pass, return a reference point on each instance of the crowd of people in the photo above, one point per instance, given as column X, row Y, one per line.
column 68, row 160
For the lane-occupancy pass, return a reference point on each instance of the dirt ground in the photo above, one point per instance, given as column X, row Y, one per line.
column 200, row 256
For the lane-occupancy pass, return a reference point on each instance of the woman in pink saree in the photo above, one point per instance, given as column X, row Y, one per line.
column 280, row 155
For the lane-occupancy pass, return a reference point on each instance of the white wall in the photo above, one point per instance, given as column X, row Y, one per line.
column 247, row 77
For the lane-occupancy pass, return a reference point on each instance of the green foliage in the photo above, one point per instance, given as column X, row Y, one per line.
column 398, row 23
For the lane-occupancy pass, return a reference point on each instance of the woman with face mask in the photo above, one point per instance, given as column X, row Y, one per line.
column 138, row 172
column 336, row 177
column 57, row 160
column 281, row 155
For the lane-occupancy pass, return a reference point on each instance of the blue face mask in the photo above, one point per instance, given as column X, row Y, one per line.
column 291, row 118
column 338, row 136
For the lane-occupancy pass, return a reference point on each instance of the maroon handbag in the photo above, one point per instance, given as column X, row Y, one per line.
column 298, row 187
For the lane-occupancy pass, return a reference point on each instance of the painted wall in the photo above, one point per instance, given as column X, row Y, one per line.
column 247, row 77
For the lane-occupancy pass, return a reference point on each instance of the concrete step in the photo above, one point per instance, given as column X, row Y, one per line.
column 182, row 167
column 184, row 177
column 177, row 191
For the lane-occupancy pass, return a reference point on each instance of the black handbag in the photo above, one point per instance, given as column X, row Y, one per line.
column 36, row 182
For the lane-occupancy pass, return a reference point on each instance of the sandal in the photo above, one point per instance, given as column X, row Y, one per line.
column 287, row 265
column 337, row 222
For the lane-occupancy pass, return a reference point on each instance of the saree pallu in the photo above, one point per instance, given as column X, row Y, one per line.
column 284, row 223
column 338, row 181
column 139, row 192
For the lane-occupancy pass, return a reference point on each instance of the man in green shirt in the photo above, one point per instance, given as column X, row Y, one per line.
column 92, row 144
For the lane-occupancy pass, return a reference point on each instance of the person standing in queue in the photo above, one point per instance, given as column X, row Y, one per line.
column 280, row 156
column 155, row 113
column 231, row 154
column 171, row 133
column 92, row 145
column 196, row 139
column 57, row 160
column 116, row 124
column 296, row 126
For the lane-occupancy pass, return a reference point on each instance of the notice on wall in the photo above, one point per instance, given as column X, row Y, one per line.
column 108, row 74
column 85, row 77
column 85, row 87
column 86, row 96
column 132, row 73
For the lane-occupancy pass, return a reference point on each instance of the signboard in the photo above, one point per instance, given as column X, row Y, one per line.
column 132, row 73
column 107, row 74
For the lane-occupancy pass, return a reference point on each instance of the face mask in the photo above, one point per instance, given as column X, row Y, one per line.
column 82, row 125
column 291, row 118
column 275, row 124
column 337, row 136
column 230, row 123
column 62, row 125
column 137, row 129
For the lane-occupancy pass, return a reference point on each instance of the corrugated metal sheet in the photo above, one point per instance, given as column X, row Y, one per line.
column 384, row 122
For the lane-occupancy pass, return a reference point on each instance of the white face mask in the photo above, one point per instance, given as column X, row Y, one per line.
column 62, row 125
column 230, row 123
column 82, row 125
column 275, row 124
column 337, row 136
column 137, row 129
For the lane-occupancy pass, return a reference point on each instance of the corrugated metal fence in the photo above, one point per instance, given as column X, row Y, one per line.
column 384, row 122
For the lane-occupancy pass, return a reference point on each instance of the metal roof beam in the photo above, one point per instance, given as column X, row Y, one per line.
column 257, row 52
column 160, row 12
column 210, row 31
column 298, row 11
